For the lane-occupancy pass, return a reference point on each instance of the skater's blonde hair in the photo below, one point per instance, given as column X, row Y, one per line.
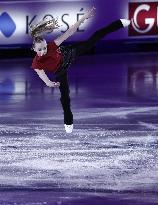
column 43, row 27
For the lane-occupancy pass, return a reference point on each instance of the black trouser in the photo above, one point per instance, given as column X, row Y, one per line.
column 84, row 46
column 81, row 49
column 65, row 98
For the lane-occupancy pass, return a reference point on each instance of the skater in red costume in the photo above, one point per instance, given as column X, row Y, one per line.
column 55, row 58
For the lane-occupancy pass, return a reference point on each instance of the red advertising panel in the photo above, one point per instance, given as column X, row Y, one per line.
column 144, row 17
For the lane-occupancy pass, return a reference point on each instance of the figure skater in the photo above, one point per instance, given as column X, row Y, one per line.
column 56, row 58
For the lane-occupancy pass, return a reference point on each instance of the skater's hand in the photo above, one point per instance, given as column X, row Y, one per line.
column 53, row 84
column 90, row 13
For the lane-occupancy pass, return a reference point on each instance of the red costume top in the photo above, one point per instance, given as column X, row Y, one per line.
column 50, row 61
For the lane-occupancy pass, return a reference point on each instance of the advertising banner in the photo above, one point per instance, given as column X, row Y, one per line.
column 17, row 16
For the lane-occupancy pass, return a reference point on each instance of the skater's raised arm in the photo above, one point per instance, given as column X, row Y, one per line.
column 45, row 78
column 74, row 27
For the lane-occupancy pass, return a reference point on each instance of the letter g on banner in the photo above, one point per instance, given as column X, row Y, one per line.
column 148, row 21
column 144, row 16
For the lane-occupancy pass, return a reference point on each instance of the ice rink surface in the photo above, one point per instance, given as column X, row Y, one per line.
column 111, row 156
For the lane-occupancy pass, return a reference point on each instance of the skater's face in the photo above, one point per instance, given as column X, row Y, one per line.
column 41, row 48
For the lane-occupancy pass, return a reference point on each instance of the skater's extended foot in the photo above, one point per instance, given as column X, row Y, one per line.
column 125, row 22
column 68, row 128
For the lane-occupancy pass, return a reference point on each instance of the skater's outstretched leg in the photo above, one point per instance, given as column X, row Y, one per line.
column 99, row 34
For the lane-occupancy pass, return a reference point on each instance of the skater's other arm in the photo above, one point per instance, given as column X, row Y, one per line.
column 73, row 28
column 45, row 78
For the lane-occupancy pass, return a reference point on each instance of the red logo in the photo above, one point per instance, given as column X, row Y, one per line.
column 144, row 18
